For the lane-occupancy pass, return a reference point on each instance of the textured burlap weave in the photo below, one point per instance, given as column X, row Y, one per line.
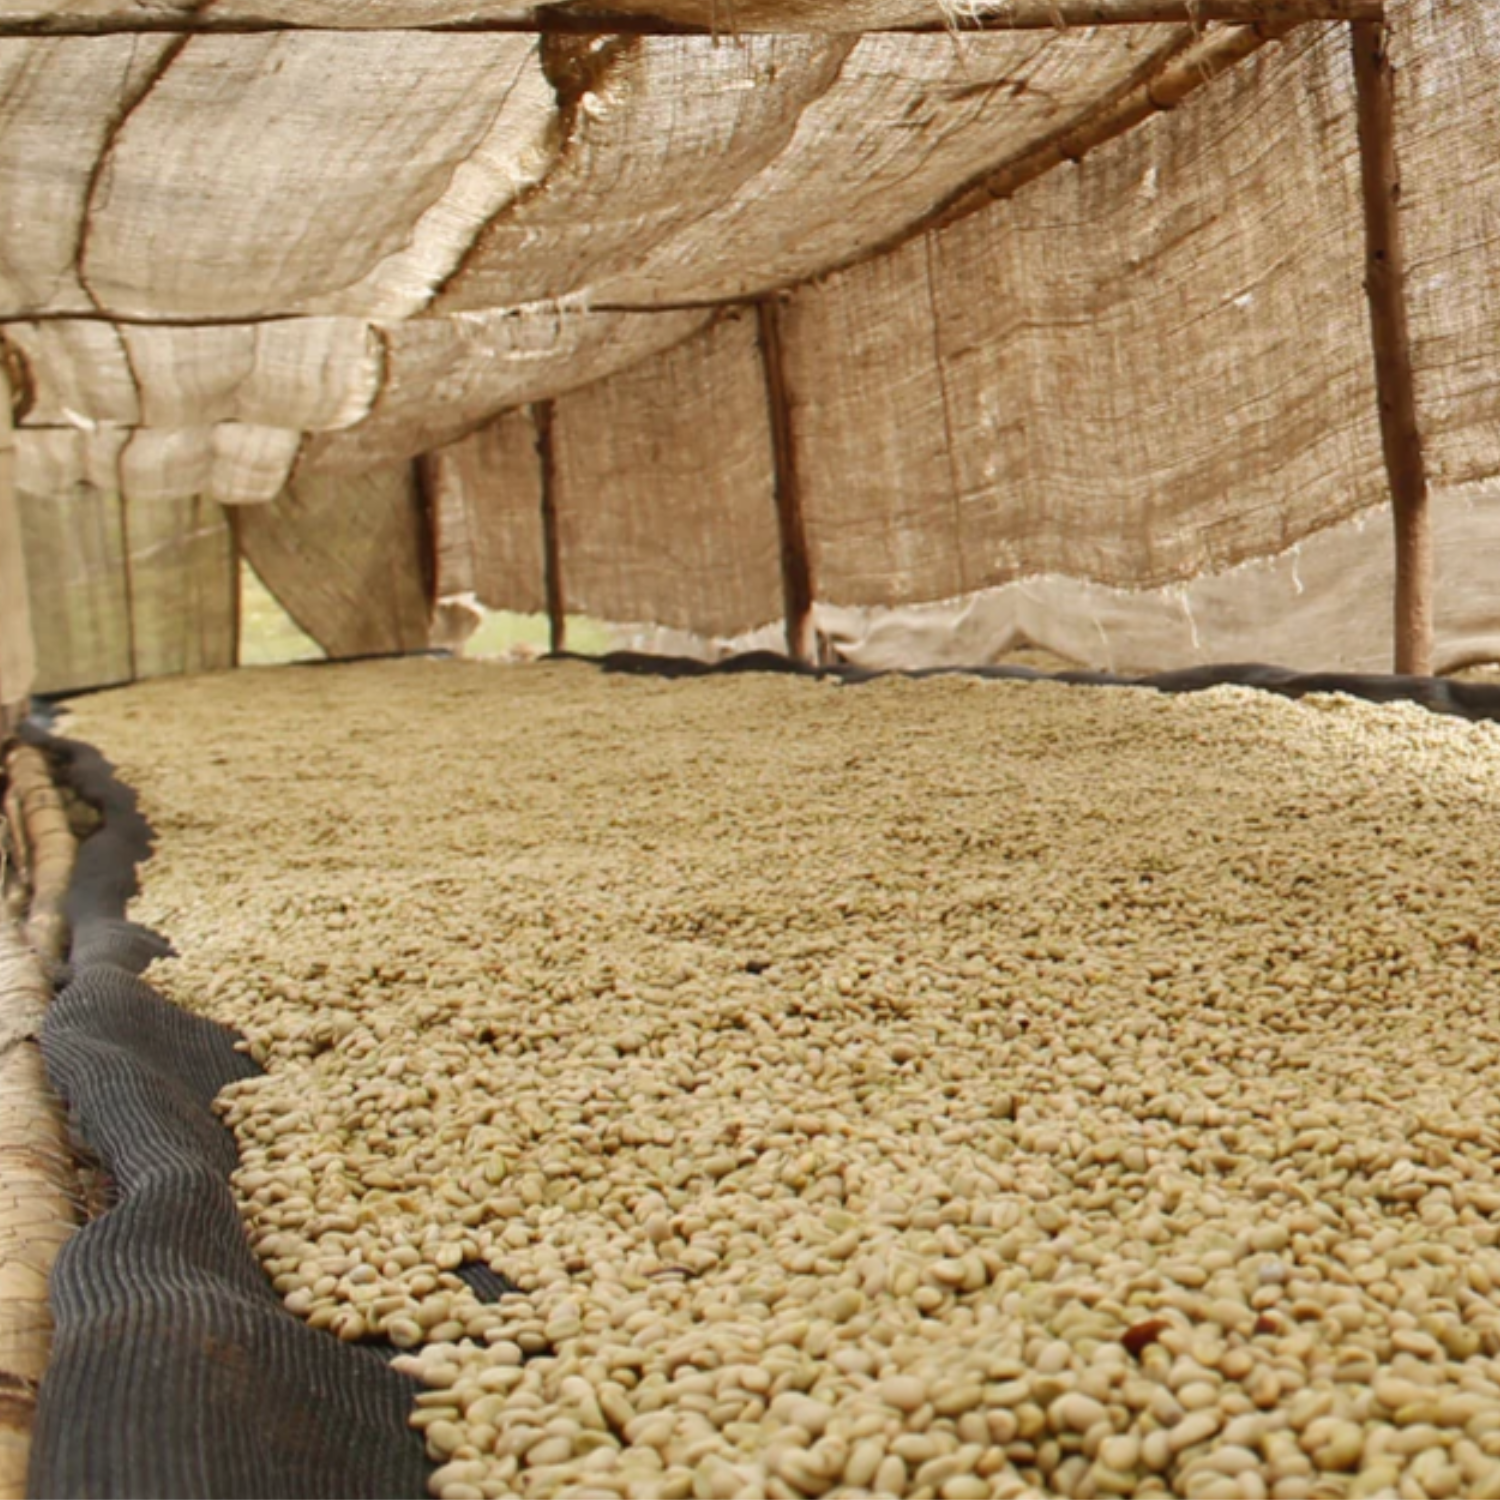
column 239, row 264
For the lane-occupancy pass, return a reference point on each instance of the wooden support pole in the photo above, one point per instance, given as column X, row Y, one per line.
column 424, row 488
column 236, row 587
column 17, row 648
column 796, row 571
column 557, row 618
column 1385, row 287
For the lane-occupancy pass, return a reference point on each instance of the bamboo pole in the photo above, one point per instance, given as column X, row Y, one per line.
column 36, row 1202
column 1385, row 287
column 562, row 19
column 14, row 847
column 796, row 571
column 17, row 649
column 1041, row 15
column 50, row 846
column 557, row 619
column 37, row 1183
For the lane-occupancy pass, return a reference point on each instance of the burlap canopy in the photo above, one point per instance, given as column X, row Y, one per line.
column 322, row 258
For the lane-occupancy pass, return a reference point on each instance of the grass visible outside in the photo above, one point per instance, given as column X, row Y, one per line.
column 503, row 631
column 269, row 636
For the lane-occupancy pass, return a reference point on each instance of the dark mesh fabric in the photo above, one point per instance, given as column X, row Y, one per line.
column 487, row 1285
column 93, row 1059
column 121, row 944
column 175, row 1370
column 1468, row 700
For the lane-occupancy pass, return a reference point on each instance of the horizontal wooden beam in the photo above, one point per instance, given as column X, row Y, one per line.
column 1009, row 15
column 1199, row 63
column 1057, row 15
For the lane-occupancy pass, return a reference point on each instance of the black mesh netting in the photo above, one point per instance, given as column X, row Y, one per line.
column 175, row 1369
column 1467, row 700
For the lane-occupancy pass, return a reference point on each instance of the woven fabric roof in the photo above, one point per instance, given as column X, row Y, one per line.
column 369, row 241
column 252, row 248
